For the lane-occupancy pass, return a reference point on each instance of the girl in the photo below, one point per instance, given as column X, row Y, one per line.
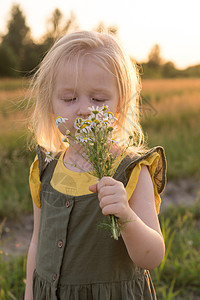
column 69, row 258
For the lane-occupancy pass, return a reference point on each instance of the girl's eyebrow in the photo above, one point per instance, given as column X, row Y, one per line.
column 94, row 90
column 65, row 89
column 102, row 89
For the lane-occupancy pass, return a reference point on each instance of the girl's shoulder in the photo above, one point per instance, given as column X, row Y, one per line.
column 37, row 169
column 153, row 158
column 34, row 181
column 45, row 158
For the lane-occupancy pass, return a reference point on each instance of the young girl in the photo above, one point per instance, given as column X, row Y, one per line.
column 69, row 257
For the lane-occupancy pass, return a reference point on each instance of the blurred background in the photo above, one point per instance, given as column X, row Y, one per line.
column 163, row 38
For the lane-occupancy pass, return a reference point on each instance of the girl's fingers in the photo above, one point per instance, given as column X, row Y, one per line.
column 111, row 209
column 106, row 191
column 106, row 200
column 106, row 181
column 93, row 188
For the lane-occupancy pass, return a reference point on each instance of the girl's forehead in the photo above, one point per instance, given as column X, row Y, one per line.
column 77, row 64
column 77, row 67
column 85, row 75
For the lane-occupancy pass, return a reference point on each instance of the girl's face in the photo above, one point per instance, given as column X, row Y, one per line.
column 73, row 94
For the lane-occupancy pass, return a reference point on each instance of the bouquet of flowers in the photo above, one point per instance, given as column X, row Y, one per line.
column 94, row 134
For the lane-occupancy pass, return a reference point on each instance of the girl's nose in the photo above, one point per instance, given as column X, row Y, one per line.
column 83, row 108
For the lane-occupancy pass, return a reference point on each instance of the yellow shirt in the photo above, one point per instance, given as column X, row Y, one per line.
column 77, row 183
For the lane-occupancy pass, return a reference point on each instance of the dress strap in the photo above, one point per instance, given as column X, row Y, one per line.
column 160, row 172
column 43, row 163
column 130, row 161
column 41, row 158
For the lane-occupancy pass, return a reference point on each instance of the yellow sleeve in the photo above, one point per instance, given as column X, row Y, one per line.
column 34, row 182
column 151, row 162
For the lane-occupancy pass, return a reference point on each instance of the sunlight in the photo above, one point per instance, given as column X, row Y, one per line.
column 174, row 26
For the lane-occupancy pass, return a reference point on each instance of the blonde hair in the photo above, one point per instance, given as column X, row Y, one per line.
column 106, row 50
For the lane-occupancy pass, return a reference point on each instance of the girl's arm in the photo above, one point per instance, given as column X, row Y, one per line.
column 141, row 233
column 142, row 236
column 31, row 255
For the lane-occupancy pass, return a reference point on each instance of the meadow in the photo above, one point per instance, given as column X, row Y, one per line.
column 171, row 118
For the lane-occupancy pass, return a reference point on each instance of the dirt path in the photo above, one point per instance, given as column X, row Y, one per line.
column 17, row 234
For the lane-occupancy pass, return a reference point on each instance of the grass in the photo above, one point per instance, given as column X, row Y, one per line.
column 15, row 197
column 180, row 136
column 170, row 117
column 171, row 110
column 178, row 274
column 12, row 275
column 8, row 84
column 176, row 278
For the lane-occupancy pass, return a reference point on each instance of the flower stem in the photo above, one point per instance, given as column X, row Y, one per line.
column 114, row 227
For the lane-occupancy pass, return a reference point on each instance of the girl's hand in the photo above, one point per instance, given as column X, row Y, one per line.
column 113, row 198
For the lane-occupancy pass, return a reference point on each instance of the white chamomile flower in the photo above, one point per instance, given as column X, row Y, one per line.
column 96, row 122
column 49, row 156
column 64, row 139
column 112, row 140
column 83, row 139
column 86, row 140
column 86, row 126
column 103, row 108
column 85, row 130
column 94, row 110
column 109, row 115
column 77, row 139
column 78, row 122
column 87, row 122
column 68, row 132
column 60, row 120
column 105, row 122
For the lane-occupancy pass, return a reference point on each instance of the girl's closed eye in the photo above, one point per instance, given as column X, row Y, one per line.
column 65, row 99
column 98, row 99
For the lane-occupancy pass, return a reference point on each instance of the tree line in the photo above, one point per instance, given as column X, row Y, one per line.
column 20, row 54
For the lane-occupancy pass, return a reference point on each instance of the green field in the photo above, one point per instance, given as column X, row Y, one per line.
column 171, row 118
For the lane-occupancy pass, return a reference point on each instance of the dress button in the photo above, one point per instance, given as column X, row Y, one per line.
column 54, row 276
column 60, row 244
column 67, row 203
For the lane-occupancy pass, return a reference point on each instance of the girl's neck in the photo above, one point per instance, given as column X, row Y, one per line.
column 74, row 160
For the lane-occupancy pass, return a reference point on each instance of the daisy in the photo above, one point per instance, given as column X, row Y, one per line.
column 60, row 120
column 68, row 132
column 109, row 115
column 103, row 108
column 94, row 110
column 64, row 139
column 49, row 156
column 78, row 122
column 112, row 140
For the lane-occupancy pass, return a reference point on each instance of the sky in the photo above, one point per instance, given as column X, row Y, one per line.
column 173, row 24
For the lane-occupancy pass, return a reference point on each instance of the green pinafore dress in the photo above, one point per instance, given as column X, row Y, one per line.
column 75, row 259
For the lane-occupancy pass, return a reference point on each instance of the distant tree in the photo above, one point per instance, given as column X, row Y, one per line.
column 192, row 71
column 155, row 59
column 56, row 20
column 153, row 68
column 33, row 54
column 9, row 63
column 169, row 70
column 101, row 27
column 18, row 34
column 57, row 26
